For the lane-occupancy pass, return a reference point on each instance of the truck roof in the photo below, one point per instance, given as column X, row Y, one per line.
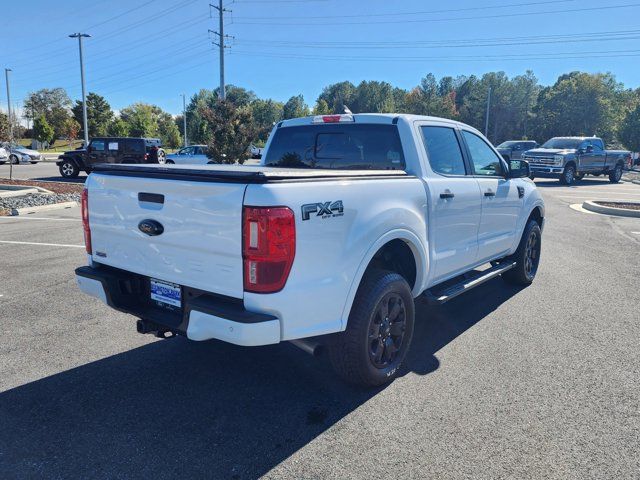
column 375, row 118
column 578, row 138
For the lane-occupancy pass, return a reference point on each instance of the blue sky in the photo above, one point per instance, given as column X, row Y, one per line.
column 154, row 50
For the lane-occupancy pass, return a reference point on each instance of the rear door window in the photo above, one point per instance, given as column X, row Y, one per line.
column 443, row 150
column 134, row 146
column 337, row 146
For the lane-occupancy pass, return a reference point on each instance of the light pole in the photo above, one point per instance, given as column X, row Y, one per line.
column 80, row 36
column 184, row 119
column 486, row 120
column 6, row 77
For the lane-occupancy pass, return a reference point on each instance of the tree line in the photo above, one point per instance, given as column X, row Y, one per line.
column 578, row 103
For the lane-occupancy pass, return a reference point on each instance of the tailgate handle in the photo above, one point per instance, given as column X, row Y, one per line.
column 150, row 197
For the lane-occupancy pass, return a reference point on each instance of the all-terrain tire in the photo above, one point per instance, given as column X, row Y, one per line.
column 354, row 352
column 69, row 169
column 616, row 174
column 568, row 175
column 527, row 256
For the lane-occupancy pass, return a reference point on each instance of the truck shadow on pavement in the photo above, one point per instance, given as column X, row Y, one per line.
column 174, row 408
column 585, row 182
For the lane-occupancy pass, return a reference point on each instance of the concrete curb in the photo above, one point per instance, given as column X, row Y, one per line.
column 619, row 212
column 17, row 192
column 42, row 208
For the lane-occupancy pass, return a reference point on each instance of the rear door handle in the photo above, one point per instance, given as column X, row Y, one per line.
column 447, row 194
column 489, row 193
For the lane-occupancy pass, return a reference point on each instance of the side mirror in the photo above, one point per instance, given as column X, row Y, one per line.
column 518, row 169
column 89, row 149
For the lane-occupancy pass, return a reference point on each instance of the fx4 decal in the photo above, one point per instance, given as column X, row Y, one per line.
column 324, row 209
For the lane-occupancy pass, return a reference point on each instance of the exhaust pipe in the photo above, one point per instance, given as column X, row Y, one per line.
column 309, row 346
column 144, row 326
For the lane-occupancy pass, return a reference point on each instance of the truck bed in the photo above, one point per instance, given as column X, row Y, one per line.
column 239, row 173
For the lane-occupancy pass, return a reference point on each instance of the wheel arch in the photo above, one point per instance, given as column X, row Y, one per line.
column 537, row 214
column 414, row 267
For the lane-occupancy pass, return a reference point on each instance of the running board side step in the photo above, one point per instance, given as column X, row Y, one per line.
column 438, row 296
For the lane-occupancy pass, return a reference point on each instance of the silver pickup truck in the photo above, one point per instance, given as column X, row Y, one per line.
column 571, row 158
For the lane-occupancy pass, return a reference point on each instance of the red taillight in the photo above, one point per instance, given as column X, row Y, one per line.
column 268, row 247
column 85, row 220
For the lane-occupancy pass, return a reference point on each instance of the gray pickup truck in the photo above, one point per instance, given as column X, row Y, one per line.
column 571, row 158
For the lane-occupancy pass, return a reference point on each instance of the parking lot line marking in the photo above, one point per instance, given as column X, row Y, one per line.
column 41, row 244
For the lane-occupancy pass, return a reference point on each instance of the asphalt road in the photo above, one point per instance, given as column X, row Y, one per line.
column 501, row 383
column 39, row 171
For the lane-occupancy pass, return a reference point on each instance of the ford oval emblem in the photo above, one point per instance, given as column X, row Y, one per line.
column 150, row 227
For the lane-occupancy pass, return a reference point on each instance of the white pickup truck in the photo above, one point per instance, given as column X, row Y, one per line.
column 328, row 242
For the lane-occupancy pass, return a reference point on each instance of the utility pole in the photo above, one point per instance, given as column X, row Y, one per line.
column 6, row 77
column 220, row 43
column 486, row 120
column 80, row 36
column 184, row 119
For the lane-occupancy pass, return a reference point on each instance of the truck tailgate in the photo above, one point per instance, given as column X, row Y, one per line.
column 200, row 245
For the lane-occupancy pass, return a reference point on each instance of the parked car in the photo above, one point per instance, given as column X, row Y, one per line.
column 513, row 149
column 191, row 155
column 571, row 158
column 256, row 152
column 19, row 154
column 347, row 221
column 4, row 155
column 109, row 150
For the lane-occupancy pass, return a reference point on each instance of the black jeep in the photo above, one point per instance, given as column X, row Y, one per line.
column 110, row 150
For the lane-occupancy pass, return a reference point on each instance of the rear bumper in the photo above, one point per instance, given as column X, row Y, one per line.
column 204, row 316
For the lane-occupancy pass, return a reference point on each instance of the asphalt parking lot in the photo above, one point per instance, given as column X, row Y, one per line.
column 40, row 171
column 541, row 382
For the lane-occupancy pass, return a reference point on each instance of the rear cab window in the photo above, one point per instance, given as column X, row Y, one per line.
column 337, row 146
column 443, row 150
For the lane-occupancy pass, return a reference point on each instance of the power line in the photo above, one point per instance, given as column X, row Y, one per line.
column 472, row 43
column 422, row 12
column 427, row 20
column 465, row 58
column 95, row 25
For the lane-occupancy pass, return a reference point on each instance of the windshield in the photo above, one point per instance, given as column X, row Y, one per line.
column 337, row 146
column 507, row 144
column 562, row 143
